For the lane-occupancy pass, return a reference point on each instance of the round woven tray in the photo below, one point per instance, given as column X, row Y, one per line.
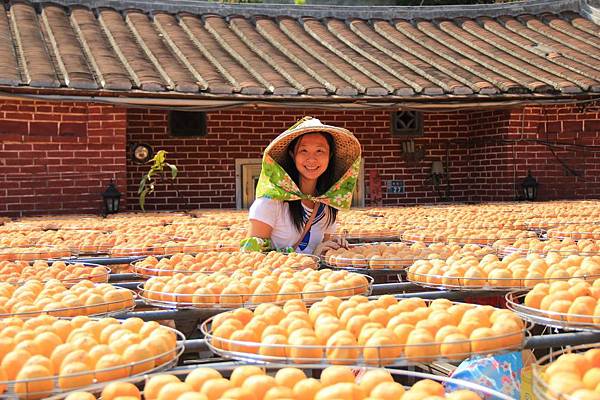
column 105, row 309
column 319, row 356
column 148, row 272
column 514, row 302
column 478, row 284
column 14, row 389
column 540, row 387
column 405, row 376
column 232, row 301
column 30, row 253
column 99, row 278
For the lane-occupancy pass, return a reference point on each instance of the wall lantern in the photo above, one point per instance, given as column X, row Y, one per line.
column 529, row 186
column 112, row 198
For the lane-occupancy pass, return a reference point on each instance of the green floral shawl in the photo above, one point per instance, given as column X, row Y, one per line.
column 275, row 183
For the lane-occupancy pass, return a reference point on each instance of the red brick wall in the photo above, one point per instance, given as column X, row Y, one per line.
column 444, row 139
column 565, row 172
column 59, row 157
column 207, row 165
column 490, row 159
column 488, row 153
column 555, row 142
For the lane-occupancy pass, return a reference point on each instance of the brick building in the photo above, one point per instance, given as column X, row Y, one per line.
column 487, row 93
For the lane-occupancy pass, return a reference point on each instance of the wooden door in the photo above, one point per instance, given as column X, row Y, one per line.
column 250, row 175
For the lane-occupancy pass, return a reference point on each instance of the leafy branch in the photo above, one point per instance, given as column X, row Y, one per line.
column 148, row 182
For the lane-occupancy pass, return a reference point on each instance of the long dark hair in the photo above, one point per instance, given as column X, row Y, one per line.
column 324, row 182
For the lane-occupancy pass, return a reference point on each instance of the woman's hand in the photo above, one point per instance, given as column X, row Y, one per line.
column 341, row 241
column 325, row 246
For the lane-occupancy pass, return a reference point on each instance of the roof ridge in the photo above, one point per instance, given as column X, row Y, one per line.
column 591, row 11
column 325, row 11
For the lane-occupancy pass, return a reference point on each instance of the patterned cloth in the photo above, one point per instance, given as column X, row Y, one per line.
column 501, row 373
column 320, row 215
column 275, row 183
column 254, row 243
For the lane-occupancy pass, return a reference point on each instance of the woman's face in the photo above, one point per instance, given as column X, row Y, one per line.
column 311, row 155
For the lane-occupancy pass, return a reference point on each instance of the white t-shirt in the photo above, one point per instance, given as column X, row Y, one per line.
column 276, row 214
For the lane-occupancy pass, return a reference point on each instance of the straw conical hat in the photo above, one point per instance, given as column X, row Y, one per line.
column 347, row 147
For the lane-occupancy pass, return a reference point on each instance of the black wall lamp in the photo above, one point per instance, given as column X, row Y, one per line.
column 111, row 198
column 529, row 186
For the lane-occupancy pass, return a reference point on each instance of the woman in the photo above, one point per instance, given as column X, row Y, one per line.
column 309, row 172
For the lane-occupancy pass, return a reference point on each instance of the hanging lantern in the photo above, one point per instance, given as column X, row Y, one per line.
column 529, row 186
column 112, row 198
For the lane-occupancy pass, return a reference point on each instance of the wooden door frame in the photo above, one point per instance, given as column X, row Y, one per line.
column 239, row 168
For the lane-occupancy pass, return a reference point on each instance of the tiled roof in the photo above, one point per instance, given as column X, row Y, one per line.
column 196, row 49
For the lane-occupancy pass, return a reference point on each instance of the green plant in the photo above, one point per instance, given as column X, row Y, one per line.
column 148, row 182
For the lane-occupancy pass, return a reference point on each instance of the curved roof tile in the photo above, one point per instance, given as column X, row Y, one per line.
column 198, row 48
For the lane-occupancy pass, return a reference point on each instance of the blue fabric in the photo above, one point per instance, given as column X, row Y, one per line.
column 320, row 214
column 501, row 373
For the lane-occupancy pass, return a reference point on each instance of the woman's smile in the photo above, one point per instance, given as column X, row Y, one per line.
column 311, row 167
